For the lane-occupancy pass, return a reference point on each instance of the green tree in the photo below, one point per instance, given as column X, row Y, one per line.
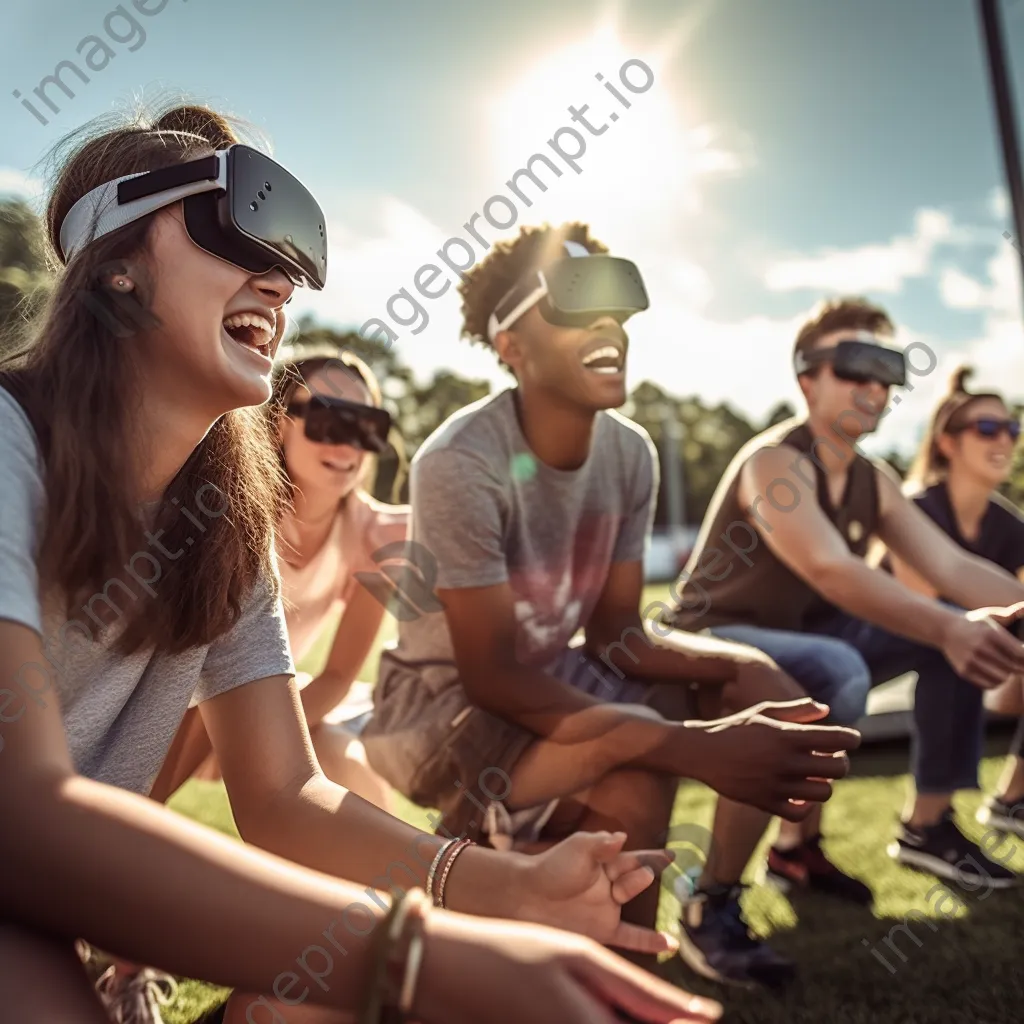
column 1013, row 489
column 779, row 414
column 707, row 439
column 24, row 278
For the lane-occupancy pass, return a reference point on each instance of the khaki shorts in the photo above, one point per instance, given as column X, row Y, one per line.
column 440, row 751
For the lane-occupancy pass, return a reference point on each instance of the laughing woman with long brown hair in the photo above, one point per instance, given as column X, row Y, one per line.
column 139, row 492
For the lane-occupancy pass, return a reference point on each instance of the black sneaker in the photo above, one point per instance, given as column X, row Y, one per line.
column 716, row 942
column 807, row 867
column 1000, row 816
column 943, row 850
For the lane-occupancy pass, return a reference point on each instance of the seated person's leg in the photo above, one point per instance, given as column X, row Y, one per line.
column 945, row 753
column 42, row 979
column 639, row 802
column 1004, row 811
column 827, row 669
column 833, row 673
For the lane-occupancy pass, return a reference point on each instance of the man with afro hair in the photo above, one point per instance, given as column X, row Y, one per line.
column 536, row 505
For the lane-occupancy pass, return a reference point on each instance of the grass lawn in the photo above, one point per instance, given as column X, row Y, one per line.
column 951, row 960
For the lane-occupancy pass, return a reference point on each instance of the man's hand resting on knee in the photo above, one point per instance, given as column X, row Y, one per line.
column 758, row 680
column 771, row 757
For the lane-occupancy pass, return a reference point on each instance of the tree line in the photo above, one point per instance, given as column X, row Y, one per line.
column 704, row 438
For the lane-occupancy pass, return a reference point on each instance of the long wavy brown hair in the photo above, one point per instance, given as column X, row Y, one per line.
column 80, row 385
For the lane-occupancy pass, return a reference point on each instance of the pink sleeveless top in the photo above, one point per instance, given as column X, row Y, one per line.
column 323, row 587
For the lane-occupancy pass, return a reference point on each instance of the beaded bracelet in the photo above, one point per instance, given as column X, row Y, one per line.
column 432, row 873
column 457, row 848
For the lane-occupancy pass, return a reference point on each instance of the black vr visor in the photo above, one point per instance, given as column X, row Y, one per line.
column 239, row 205
column 859, row 360
column 338, row 421
column 574, row 292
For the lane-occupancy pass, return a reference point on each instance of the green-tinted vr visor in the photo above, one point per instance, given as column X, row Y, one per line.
column 574, row 292
column 857, row 360
column 239, row 205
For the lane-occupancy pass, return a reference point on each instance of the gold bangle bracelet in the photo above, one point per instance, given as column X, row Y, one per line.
column 412, row 970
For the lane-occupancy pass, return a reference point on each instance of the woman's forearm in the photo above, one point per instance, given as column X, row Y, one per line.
column 324, row 694
column 146, row 884
column 316, row 825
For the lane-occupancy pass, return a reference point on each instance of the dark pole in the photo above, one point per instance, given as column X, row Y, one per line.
column 995, row 50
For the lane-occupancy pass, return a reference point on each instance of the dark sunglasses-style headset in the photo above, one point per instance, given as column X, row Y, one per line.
column 988, row 427
column 339, row 421
column 857, row 361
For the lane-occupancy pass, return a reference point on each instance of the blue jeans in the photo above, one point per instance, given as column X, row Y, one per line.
column 843, row 657
column 828, row 669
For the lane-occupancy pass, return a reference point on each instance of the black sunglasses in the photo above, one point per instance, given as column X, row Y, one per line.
column 988, row 428
column 339, row 421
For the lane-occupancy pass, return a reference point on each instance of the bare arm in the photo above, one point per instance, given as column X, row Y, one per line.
column 376, row 525
column 910, row 578
column 283, row 803
column 804, row 539
column 483, row 628
column 357, row 630
column 602, row 736
column 233, row 915
column 937, row 559
column 616, row 635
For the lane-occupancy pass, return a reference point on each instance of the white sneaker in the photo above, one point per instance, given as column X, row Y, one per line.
column 1001, row 816
column 133, row 995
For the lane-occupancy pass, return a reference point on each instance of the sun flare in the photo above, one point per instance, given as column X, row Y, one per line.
column 637, row 153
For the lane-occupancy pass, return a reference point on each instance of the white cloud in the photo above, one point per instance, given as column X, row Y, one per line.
column 1001, row 294
column 378, row 243
column 881, row 267
column 959, row 291
column 15, row 182
column 369, row 266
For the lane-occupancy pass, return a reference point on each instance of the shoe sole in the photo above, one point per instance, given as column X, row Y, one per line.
column 943, row 869
column 1000, row 822
column 788, row 887
column 781, row 882
column 695, row 960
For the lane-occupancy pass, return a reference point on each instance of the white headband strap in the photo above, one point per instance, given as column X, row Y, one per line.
column 98, row 212
column 495, row 326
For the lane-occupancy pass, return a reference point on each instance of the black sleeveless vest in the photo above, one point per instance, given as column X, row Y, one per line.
column 733, row 578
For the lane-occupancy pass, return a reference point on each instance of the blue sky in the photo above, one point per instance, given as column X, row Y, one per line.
column 787, row 149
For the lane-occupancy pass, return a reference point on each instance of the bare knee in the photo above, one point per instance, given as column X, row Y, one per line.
column 633, row 801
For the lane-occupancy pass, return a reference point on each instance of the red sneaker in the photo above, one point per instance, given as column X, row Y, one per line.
column 807, row 867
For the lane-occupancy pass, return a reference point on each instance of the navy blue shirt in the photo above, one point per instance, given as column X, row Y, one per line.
column 1000, row 538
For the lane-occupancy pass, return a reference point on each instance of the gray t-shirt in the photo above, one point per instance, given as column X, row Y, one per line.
column 120, row 714
column 489, row 512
